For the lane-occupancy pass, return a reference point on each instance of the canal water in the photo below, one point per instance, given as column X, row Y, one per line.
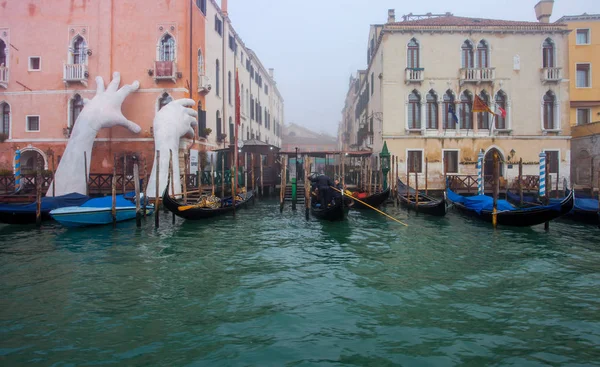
column 270, row 289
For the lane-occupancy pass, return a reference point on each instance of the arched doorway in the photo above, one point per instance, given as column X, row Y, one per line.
column 488, row 165
column 29, row 161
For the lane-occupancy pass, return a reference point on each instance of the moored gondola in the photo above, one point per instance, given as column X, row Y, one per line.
column 195, row 212
column 480, row 206
column 374, row 200
column 426, row 205
column 585, row 209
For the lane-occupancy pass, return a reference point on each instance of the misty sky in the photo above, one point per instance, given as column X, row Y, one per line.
column 314, row 45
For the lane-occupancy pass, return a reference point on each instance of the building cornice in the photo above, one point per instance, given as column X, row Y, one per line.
column 579, row 18
column 499, row 137
column 467, row 29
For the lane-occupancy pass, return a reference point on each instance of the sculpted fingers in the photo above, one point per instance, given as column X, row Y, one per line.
column 130, row 125
column 114, row 83
column 191, row 112
column 128, row 89
column 99, row 85
column 186, row 102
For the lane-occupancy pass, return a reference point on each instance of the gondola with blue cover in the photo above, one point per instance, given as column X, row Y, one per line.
column 481, row 206
column 25, row 213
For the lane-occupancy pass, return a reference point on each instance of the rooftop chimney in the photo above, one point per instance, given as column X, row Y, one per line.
column 543, row 10
column 272, row 73
column 391, row 16
column 224, row 7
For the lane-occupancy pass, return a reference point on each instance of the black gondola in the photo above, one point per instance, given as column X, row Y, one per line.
column 332, row 212
column 198, row 213
column 427, row 204
column 585, row 209
column 374, row 200
column 25, row 213
column 507, row 214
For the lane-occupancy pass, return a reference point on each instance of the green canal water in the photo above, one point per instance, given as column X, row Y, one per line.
column 271, row 289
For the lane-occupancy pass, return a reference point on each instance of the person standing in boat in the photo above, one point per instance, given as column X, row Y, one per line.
column 322, row 183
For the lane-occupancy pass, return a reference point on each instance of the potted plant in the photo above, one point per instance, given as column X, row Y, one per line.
column 205, row 132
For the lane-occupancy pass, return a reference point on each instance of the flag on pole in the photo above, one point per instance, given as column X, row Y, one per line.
column 453, row 112
column 480, row 106
column 500, row 111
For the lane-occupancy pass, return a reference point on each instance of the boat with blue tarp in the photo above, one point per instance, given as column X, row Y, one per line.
column 481, row 206
column 585, row 209
column 25, row 213
column 96, row 211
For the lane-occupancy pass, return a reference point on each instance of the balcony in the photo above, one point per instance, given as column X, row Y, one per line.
column 551, row 75
column 413, row 75
column 75, row 73
column 4, row 76
column 165, row 70
column 477, row 75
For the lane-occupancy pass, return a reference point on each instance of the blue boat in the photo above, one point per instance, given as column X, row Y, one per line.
column 96, row 212
column 585, row 209
column 25, row 213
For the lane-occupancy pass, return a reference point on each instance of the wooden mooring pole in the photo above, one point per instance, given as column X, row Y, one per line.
column 171, row 170
column 38, row 192
column 222, row 175
column 426, row 171
column 548, row 187
column 262, row 184
column 124, row 173
column 136, row 182
column 53, row 177
column 253, row 179
column 212, row 175
column 156, row 194
column 521, row 180
column 306, row 186
column 496, row 188
column 113, row 207
column 85, row 169
column 416, row 188
column 282, row 186
column 185, row 168
column 145, row 187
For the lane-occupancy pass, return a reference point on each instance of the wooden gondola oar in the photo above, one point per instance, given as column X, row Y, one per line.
column 367, row 205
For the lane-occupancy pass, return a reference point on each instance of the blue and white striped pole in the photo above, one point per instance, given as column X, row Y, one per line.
column 17, row 170
column 480, row 174
column 542, row 174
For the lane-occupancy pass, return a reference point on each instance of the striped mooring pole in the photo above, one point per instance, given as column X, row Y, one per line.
column 480, row 174
column 542, row 174
column 17, row 170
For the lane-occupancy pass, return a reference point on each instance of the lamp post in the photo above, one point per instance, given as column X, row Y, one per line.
column 295, row 183
column 384, row 157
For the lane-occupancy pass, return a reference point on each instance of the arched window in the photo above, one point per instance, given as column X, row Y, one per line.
column 217, row 78
column 500, row 102
column 79, row 50
column 483, row 118
column 218, row 123
column 229, row 86
column 413, row 54
column 549, row 106
column 201, row 121
column 5, row 111
column 449, row 121
column 247, row 102
column 467, row 55
column 432, row 110
column 164, row 100
column 231, row 136
column 200, row 63
column 466, row 108
column 166, row 49
column 76, row 107
column 482, row 55
column 3, row 53
column 548, row 53
column 414, row 110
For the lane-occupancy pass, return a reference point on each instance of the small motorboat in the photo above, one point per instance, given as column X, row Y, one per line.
column 96, row 211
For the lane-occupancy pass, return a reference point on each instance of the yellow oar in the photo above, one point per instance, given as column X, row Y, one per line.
column 367, row 205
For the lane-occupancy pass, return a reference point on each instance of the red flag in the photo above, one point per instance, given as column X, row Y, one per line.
column 480, row 106
column 500, row 111
column 237, row 98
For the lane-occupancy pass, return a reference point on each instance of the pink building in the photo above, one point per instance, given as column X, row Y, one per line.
column 51, row 51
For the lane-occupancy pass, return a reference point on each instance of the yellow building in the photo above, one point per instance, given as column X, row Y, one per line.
column 584, row 86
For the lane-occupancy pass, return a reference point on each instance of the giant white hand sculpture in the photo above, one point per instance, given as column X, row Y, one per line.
column 104, row 110
column 171, row 123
